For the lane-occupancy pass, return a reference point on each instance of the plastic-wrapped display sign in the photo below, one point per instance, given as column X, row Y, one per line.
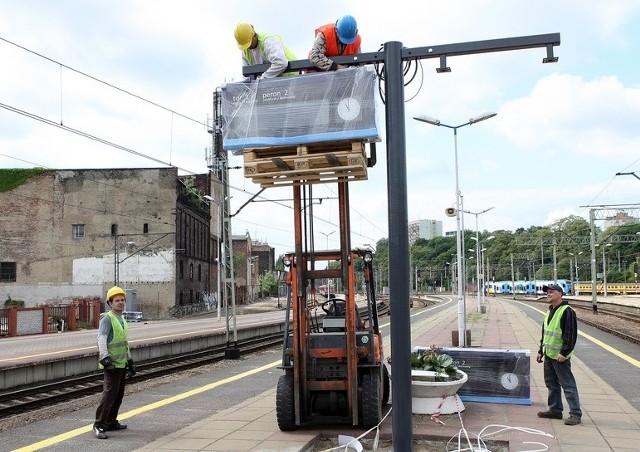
column 293, row 110
column 495, row 376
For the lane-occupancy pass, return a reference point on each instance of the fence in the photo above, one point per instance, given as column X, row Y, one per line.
column 49, row 319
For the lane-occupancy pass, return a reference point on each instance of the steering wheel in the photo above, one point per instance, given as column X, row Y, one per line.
column 335, row 307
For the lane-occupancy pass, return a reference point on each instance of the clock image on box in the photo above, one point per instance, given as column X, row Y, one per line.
column 509, row 381
column 349, row 108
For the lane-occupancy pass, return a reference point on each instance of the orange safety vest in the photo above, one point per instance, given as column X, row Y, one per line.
column 331, row 37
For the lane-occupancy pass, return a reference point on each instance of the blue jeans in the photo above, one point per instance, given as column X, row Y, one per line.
column 558, row 377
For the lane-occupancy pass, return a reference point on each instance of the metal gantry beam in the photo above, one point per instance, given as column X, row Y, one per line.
column 582, row 240
column 441, row 52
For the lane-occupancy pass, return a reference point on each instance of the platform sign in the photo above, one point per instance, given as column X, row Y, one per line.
column 495, row 376
column 302, row 109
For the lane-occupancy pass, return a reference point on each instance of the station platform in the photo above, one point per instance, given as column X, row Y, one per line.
column 609, row 422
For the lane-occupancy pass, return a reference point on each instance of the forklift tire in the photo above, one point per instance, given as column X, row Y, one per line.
column 285, row 410
column 371, row 403
column 386, row 385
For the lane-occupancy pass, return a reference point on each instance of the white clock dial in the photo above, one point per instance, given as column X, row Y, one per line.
column 349, row 108
column 509, row 381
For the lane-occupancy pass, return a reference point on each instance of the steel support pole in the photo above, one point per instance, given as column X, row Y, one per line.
column 461, row 307
column 398, row 249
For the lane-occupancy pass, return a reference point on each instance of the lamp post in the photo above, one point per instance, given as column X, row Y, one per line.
column 575, row 283
column 478, row 261
column 327, row 234
column 328, row 281
column 461, row 293
column 604, row 270
column 483, row 270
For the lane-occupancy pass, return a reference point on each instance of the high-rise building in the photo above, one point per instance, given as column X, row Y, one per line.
column 424, row 229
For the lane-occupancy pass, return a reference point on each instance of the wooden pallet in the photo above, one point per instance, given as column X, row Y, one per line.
column 315, row 163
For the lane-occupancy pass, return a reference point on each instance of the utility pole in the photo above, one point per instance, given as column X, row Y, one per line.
column 226, row 270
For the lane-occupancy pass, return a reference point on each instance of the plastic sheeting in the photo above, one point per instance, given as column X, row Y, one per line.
column 293, row 110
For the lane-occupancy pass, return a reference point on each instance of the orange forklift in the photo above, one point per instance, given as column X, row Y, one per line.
column 332, row 352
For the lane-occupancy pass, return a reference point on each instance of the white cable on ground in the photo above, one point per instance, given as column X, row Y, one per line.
column 376, row 440
column 481, row 445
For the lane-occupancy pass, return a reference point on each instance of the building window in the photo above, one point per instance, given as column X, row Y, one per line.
column 114, row 229
column 77, row 231
column 199, row 272
column 145, row 228
column 8, row 271
column 191, row 272
column 181, row 269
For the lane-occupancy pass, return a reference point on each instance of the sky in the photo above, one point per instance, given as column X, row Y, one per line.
column 132, row 81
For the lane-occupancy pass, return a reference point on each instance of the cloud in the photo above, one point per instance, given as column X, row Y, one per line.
column 568, row 114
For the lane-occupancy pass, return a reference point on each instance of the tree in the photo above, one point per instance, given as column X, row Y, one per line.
column 268, row 284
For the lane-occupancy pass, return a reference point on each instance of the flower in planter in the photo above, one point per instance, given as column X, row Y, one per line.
column 431, row 359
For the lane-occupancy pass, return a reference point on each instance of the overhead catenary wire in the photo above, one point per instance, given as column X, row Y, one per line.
column 110, row 85
column 81, row 133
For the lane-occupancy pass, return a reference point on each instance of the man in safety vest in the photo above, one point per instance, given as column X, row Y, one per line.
column 559, row 335
column 335, row 39
column 115, row 358
column 259, row 48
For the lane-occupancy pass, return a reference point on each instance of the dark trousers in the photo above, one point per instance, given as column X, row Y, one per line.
column 112, row 394
column 558, row 377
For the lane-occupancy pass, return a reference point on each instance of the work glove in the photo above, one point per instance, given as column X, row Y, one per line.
column 107, row 363
column 130, row 368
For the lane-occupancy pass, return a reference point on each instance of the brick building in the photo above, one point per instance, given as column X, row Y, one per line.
column 66, row 234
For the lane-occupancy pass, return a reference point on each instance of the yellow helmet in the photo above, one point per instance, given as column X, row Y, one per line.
column 115, row 290
column 244, row 35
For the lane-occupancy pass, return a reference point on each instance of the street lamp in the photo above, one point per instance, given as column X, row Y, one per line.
column 478, row 261
column 482, row 269
column 575, row 287
column 604, row 269
column 461, row 293
column 327, row 234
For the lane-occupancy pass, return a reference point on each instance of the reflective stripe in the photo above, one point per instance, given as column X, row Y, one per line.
column 118, row 347
column 331, row 38
column 552, row 338
column 288, row 53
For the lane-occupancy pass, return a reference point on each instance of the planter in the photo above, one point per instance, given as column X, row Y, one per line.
column 430, row 397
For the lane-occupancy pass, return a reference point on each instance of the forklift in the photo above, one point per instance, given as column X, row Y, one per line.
column 332, row 356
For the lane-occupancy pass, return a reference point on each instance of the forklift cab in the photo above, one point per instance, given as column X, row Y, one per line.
column 335, row 310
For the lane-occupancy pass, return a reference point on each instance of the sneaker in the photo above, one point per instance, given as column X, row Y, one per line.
column 116, row 426
column 99, row 432
column 572, row 420
column 550, row 414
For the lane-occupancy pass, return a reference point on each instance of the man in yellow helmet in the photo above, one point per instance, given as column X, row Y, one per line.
column 115, row 358
column 259, row 48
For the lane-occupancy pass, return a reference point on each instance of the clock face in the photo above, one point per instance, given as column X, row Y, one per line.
column 509, row 381
column 349, row 108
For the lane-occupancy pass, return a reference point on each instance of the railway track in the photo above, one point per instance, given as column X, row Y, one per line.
column 623, row 325
column 35, row 397
column 31, row 398
column 618, row 320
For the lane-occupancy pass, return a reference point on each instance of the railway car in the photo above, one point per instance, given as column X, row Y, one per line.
column 584, row 287
column 505, row 287
column 529, row 287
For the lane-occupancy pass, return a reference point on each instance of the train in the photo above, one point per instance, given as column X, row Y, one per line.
column 575, row 288
column 614, row 288
column 522, row 287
